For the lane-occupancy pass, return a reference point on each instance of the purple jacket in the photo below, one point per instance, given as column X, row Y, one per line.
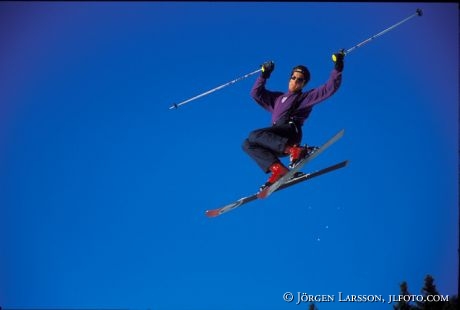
column 278, row 103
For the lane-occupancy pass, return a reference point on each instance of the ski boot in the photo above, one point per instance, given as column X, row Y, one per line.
column 296, row 153
column 278, row 170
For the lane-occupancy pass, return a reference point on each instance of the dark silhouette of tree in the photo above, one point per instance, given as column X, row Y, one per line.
column 403, row 304
column 312, row 307
column 432, row 299
column 428, row 291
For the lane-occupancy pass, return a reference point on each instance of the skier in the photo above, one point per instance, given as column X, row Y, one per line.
column 289, row 111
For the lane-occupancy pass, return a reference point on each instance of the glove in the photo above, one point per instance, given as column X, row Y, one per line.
column 267, row 69
column 337, row 58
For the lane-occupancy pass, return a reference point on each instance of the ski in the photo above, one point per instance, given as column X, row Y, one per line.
column 295, row 180
column 270, row 189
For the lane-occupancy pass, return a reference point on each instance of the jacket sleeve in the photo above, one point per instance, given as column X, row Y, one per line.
column 265, row 98
column 324, row 91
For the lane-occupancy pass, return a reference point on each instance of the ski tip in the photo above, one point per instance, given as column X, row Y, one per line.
column 262, row 194
column 212, row 213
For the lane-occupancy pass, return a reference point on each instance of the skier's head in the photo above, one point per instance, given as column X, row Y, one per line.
column 299, row 78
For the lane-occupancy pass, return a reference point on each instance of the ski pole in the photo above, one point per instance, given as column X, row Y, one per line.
column 176, row 105
column 418, row 12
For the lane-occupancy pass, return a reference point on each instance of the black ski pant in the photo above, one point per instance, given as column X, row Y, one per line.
column 266, row 145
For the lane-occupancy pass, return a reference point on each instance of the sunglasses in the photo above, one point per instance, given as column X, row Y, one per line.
column 294, row 78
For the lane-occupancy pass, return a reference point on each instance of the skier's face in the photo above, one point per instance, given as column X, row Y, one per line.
column 297, row 82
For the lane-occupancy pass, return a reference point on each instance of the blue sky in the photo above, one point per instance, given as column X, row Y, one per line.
column 103, row 188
